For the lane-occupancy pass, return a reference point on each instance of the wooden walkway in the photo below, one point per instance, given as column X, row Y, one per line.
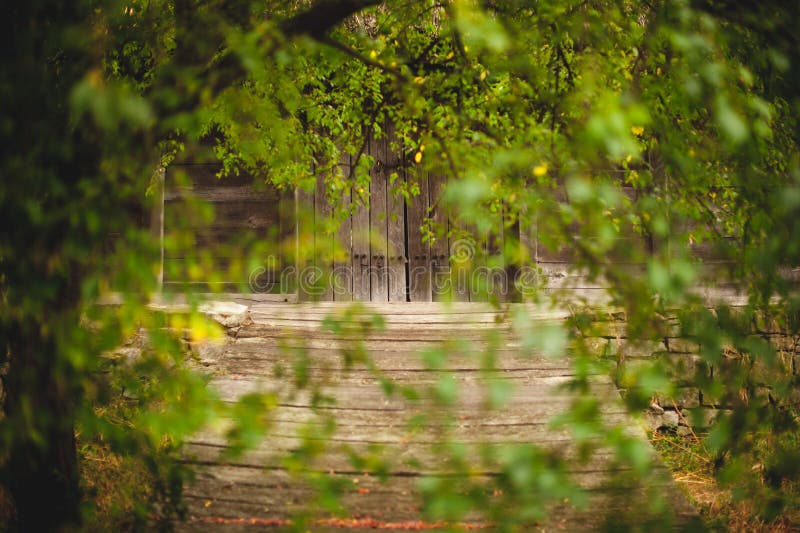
column 314, row 366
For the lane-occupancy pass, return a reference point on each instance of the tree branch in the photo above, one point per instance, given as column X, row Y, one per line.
column 359, row 56
column 226, row 69
column 322, row 16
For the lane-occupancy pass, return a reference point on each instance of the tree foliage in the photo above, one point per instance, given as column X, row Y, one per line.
column 541, row 111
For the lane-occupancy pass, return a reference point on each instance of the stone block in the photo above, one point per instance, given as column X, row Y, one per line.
column 681, row 345
column 682, row 397
column 641, row 348
column 129, row 353
column 609, row 329
column 599, row 345
column 789, row 344
column 766, row 324
column 665, row 420
column 671, row 419
column 229, row 315
column 684, row 368
column 758, row 369
column 704, row 417
column 672, row 328
column 680, row 368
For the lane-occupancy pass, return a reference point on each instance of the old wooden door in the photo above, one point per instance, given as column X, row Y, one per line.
column 393, row 248
column 237, row 234
column 362, row 256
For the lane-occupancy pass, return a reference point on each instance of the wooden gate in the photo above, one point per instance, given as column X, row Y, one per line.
column 396, row 249
column 377, row 253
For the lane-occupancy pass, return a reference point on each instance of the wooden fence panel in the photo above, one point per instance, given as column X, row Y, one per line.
column 461, row 258
column 375, row 254
column 285, row 266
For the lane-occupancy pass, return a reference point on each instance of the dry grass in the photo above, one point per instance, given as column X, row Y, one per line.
column 692, row 468
column 116, row 489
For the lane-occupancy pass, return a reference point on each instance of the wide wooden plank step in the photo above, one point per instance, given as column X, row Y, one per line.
column 550, row 389
column 410, row 461
column 445, row 412
column 232, row 492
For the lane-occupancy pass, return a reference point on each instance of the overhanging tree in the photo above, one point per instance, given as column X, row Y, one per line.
column 693, row 105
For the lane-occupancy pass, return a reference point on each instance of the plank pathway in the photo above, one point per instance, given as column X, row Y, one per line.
column 283, row 344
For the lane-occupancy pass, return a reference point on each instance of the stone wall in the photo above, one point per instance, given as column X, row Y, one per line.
column 693, row 404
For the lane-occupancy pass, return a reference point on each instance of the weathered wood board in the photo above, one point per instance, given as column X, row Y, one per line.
column 360, row 244
column 323, row 240
column 441, row 286
column 378, row 246
column 395, row 218
column 208, row 226
column 419, row 345
column 306, row 245
column 342, row 279
column 419, row 263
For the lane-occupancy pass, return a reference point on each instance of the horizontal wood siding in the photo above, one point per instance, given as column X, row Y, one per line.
column 211, row 227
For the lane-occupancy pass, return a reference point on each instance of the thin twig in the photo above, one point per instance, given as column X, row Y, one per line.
column 352, row 52
column 683, row 418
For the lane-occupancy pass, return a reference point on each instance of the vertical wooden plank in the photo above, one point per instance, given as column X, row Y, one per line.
column 379, row 251
column 440, row 251
column 481, row 273
column 555, row 262
column 173, row 257
column 360, row 240
column 510, row 247
column 530, row 254
column 484, row 280
column 323, row 242
column 500, row 284
column 286, row 274
column 342, row 276
column 304, row 255
column 527, row 236
column 419, row 264
column 157, row 224
column 462, row 255
column 395, row 231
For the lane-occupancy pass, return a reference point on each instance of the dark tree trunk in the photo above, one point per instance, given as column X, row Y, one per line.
column 46, row 156
column 51, row 160
column 42, row 465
